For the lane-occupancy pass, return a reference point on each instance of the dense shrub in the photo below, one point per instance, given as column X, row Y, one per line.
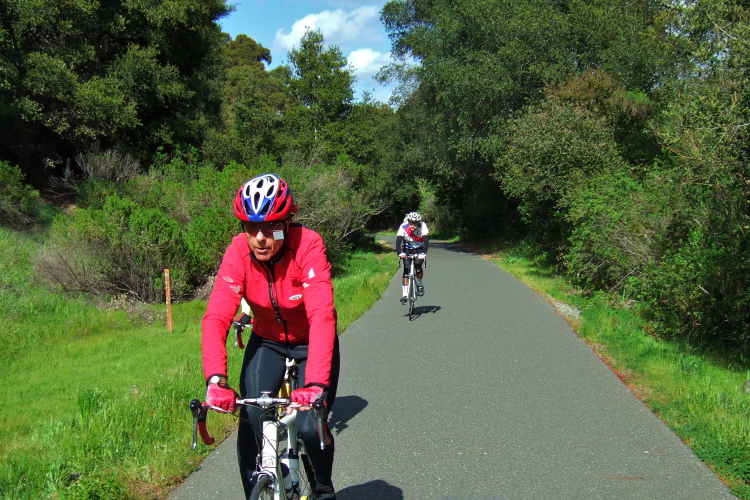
column 701, row 288
column 72, row 259
column 329, row 203
column 110, row 165
column 19, row 203
column 699, row 291
column 179, row 217
column 552, row 151
column 676, row 247
column 619, row 227
column 121, row 248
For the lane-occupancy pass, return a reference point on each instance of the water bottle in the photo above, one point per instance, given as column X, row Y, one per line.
column 286, row 480
column 293, row 463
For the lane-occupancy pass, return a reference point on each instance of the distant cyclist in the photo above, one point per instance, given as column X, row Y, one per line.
column 412, row 239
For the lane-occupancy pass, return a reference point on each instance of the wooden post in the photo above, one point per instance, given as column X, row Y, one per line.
column 169, row 299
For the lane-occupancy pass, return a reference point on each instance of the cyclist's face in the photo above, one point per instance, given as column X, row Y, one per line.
column 265, row 238
column 413, row 223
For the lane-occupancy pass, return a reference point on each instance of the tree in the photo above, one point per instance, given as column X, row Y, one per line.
column 130, row 75
column 481, row 62
column 320, row 79
column 244, row 51
column 553, row 151
column 700, row 290
column 254, row 100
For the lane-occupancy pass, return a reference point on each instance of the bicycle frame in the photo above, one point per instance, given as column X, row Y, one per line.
column 272, row 458
column 412, row 286
column 270, row 463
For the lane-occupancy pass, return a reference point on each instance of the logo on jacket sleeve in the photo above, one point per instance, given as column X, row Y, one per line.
column 296, row 297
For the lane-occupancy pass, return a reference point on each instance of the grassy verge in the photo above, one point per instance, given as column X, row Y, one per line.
column 365, row 279
column 95, row 399
column 701, row 398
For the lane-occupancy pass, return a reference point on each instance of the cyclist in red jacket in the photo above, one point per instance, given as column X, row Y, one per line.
column 280, row 268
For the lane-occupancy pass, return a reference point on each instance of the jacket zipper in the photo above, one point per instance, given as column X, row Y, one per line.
column 271, row 275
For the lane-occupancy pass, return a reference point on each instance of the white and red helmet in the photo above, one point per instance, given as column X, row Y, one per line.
column 264, row 198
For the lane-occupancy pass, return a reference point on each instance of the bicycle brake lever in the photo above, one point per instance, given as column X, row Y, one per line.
column 319, row 408
column 238, row 336
column 200, row 413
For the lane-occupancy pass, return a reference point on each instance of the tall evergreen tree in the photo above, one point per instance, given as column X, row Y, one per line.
column 319, row 85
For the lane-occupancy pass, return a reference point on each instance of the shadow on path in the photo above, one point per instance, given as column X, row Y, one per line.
column 372, row 490
column 420, row 310
column 451, row 247
column 345, row 408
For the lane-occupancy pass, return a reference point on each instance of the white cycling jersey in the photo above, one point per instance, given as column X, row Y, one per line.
column 413, row 239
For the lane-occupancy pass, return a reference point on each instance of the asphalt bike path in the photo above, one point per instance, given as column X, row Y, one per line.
column 487, row 394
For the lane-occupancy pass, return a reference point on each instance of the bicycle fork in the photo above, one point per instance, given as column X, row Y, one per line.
column 412, row 282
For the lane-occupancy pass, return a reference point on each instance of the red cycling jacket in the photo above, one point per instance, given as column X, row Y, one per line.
column 291, row 301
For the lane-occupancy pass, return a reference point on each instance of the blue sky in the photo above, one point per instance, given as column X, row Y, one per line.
column 353, row 25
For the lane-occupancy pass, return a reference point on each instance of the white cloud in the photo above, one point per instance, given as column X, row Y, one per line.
column 367, row 62
column 359, row 35
column 347, row 30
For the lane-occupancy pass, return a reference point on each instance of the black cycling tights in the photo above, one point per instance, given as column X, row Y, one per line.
column 417, row 265
column 263, row 370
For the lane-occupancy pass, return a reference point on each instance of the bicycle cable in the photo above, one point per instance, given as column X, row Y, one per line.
column 259, row 425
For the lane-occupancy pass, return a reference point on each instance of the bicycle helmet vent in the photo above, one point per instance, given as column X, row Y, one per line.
column 264, row 198
column 414, row 216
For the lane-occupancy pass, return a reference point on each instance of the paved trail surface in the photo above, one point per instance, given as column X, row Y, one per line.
column 487, row 394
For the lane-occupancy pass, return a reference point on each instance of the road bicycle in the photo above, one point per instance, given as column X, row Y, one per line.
column 284, row 470
column 411, row 295
column 283, row 467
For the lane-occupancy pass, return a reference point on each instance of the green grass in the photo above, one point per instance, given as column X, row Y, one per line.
column 95, row 403
column 365, row 279
column 702, row 398
column 95, row 400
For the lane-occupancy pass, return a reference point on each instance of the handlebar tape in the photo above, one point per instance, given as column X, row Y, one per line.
column 200, row 412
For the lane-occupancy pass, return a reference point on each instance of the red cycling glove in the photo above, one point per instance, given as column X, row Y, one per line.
column 221, row 396
column 307, row 395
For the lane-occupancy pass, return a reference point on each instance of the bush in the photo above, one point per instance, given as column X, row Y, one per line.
column 699, row 291
column 619, row 225
column 109, row 165
column 122, row 248
column 177, row 217
column 72, row 260
column 19, row 203
column 329, row 203
column 553, row 150
column 677, row 248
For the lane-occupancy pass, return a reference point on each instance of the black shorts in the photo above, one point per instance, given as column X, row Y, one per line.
column 417, row 264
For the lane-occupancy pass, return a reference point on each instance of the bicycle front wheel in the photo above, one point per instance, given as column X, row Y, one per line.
column 263, row 489
column 306, row 487
column 412, row 298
